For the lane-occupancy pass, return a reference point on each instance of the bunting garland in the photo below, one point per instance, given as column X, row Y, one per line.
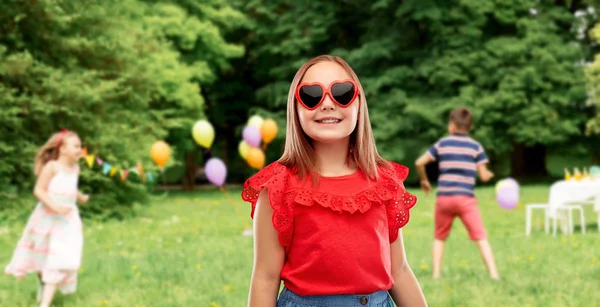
column 110, row 170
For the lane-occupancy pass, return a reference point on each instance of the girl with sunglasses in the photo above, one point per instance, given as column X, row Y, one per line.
column 327, row 215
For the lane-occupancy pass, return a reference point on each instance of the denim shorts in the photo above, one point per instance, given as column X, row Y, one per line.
column 288, row 298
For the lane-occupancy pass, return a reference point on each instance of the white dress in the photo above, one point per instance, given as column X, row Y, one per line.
column 52, row 243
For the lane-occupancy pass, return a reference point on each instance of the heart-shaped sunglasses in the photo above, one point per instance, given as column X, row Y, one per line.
column 342, row 92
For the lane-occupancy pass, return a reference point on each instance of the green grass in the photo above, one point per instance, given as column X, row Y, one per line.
column 187, row 250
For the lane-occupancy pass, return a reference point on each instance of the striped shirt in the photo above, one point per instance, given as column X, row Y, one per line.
column 458, row 156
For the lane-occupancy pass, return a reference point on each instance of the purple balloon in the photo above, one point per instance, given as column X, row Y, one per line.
column 508, row 197
column 512, row 183
column 216, row 171
column 252, row 136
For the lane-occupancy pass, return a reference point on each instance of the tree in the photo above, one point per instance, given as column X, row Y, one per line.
column 514, row 63
column 105, row 69
column 196, row 31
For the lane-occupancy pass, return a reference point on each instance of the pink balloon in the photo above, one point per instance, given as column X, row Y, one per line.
column 511, row 182
column 216, row 171
column 252, row 136
column 508, row 197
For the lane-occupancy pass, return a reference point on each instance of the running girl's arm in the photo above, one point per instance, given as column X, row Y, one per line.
column 268, row 256
column 81, row 198
column 406, row 290
column 41, row 186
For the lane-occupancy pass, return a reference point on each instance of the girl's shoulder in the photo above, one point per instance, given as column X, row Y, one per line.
column 51, row 167
column 280, row 179
column 352, row 194
column 64, row 169
column 394, row 170
column 273, row 177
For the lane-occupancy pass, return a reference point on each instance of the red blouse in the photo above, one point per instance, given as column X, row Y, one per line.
column 336, row 237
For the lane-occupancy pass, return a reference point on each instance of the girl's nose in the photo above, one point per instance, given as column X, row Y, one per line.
column 327, row 104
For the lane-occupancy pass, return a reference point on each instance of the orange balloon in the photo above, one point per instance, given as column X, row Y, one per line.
column 160, row 153
column 268, row 130
column 255, row 158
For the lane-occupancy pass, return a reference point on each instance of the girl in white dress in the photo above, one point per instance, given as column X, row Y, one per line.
column 52, row 242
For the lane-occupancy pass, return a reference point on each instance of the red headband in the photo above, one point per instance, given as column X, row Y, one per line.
column 63, row 131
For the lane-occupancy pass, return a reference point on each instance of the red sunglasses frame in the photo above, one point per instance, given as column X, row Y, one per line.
column 326, row 91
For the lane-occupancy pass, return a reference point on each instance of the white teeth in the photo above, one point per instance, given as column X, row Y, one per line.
column 329, row 121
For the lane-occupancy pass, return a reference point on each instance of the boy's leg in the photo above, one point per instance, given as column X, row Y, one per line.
column 488, row 257
column 471, row 218
column 443, row 223
column 438, row 254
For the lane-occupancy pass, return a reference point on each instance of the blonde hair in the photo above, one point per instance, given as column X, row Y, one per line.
column 299, row 154
column 50, row 150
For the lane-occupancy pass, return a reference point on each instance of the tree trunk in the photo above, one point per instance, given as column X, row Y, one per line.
column 189, row 178
column 528, row 161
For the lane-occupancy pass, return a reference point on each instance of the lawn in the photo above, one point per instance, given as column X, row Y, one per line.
column 188, row 250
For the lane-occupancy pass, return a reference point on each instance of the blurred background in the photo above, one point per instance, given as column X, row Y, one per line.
column 126, row 73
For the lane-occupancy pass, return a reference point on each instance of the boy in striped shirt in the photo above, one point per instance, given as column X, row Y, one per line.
column 460, row 159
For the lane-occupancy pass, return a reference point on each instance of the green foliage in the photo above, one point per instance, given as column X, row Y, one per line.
column 593, row 78
column 126, row 73
column 108, row 70
column 514, row 63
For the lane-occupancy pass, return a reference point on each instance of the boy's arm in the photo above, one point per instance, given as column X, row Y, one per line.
column 482, row 161
column 484, row 173
column 423, row 160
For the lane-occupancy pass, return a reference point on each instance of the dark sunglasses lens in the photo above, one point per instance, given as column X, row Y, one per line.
column 343, row 92
column 310, row 95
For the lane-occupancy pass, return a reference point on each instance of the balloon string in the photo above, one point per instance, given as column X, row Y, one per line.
column 232, row 202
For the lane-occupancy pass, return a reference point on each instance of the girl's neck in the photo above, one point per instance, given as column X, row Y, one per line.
column 66, row 162
column 332, row 157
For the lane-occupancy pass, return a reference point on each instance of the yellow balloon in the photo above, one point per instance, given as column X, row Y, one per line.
column 243, row 149
column 203, row 133
column 268, row 130
column 500, row 184
column 256, row 158
column 255, row 121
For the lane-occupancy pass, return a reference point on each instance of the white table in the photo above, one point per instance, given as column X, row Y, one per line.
column 562, row 193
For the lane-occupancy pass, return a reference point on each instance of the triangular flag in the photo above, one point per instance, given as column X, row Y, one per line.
column 124, row 174
column 140, row 169
column 90, row 160
column 99, row 161
column 84, row 152
column 113, row 171
column 150, row 177
column 134, row 170
column 106, row 168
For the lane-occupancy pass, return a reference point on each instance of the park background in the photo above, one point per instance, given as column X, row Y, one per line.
column 127, row 73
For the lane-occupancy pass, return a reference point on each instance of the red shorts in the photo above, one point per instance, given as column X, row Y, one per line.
column 465, row 207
